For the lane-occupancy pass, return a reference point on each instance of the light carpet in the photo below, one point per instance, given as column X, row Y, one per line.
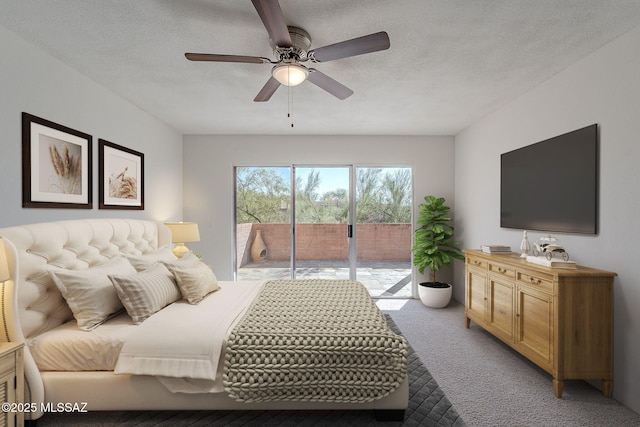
column 490, row 384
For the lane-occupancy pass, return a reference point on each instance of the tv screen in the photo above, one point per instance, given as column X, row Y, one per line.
column 552, row 185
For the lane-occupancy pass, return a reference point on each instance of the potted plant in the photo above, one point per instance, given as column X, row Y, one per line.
column 435, row 248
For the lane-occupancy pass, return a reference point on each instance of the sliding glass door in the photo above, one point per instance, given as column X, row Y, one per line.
column 263, row 223
column 322, row 218
column 343, row 221
column 383, row 230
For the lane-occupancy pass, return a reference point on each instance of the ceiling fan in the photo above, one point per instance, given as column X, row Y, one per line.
column 291, row 47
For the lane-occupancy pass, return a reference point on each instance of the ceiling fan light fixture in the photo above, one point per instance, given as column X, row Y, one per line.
column 290, row 74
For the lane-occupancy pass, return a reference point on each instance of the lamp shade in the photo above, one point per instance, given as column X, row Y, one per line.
column 290, row 74
column 4, row 267
column 184, row 232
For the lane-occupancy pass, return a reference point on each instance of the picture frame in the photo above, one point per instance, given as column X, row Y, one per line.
column 56, row 165
column 120, row 176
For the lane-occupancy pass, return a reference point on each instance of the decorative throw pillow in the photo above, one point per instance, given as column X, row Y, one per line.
column 146, row 292
column 89, row 293
column 196, row 282
column 143, row 262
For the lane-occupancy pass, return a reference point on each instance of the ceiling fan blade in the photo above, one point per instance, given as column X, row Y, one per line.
column 358, row 46
column 226, row 58
column 325, row 82
column 273, row 20
column 267, row 90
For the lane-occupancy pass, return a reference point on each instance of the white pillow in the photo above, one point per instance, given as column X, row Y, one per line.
column 142, row 262
column 146, row 292
column 196, row 282
column 89, row 292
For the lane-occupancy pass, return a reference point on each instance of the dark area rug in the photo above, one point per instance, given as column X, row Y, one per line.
column 428, row 406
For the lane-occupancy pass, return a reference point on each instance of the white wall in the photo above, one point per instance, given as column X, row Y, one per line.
column 208, row 178
column 603, row 88
column 34, row 82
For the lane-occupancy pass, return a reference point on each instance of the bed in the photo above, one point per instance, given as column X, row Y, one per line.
column 251, row 369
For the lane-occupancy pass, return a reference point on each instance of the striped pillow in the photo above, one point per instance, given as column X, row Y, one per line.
column 89, row 293
column 196, row 282
column 146, row 292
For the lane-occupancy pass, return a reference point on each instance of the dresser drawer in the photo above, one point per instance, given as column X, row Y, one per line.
column 7, row 363
column 477, row 262
column 536, row 279
column 502, row 270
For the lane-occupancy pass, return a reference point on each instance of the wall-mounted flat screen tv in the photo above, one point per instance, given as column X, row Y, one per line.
column 552, row 185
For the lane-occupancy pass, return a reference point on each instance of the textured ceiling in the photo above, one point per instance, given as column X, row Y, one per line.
column 450, row 62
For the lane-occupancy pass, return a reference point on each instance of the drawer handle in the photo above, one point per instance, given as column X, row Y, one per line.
column 537, row 282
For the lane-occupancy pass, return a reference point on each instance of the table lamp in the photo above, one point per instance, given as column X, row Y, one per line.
column 181, row 233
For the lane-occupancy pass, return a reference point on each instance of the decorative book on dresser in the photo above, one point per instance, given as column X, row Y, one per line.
column 560, row 319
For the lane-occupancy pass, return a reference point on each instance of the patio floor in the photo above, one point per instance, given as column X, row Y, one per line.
column 384, row 279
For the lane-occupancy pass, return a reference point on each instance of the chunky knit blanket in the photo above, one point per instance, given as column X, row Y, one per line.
column 313, row 340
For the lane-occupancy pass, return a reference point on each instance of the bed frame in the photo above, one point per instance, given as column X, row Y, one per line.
column 31, row 305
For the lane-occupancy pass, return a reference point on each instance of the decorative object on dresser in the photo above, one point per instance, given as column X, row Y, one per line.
column 496, row 249
column 435, row 248
column 551, row 263
column 550, row 246
column 525, row 246
column 181, row 233
column 560, row 319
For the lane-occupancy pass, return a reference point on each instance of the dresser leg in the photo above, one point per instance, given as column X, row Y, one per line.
column 607, row 388
column 558, row 387
column 467, row 321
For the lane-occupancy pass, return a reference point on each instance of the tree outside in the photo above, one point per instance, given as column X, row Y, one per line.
column 262, row 195
column 383, row 195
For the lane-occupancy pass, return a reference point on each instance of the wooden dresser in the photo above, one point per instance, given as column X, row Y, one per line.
column 12, row 384
column 560, row 319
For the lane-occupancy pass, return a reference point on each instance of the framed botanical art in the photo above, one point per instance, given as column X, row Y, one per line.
column 121, row 177
column 56, row 165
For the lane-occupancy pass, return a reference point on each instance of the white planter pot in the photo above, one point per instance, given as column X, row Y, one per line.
column 435, row 297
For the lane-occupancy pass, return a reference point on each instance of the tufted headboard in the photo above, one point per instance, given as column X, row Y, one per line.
column 31, row 303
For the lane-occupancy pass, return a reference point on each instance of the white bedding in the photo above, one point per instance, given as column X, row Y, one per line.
column 68, row 348
column 182, row 343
